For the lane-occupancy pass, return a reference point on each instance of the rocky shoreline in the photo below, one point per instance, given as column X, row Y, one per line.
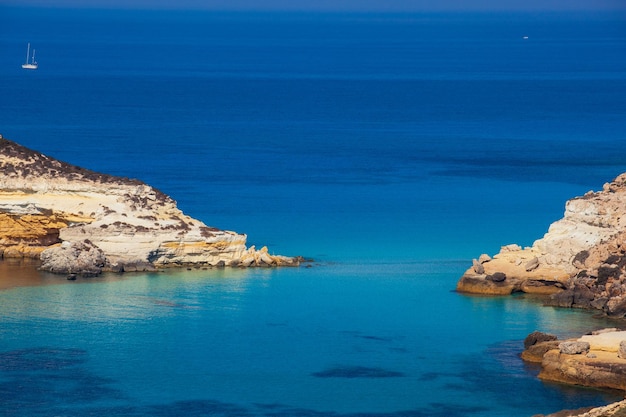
column 617, row 409
column 596, row 360
column 579, row 263
column 82, row 222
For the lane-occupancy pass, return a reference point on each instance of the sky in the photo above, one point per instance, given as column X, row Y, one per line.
column 337, row 5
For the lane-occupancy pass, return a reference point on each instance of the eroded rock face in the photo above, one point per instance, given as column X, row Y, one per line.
column 46, row 205
column 580, row 261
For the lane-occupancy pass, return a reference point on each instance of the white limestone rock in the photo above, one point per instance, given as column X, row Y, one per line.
column 126, row 221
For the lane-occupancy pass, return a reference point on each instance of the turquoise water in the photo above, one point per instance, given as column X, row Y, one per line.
column 392, row 149
column 375, row 339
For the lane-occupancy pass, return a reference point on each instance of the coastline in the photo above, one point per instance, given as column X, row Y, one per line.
column 81, row 222
column 580, row 262
column 359, row 139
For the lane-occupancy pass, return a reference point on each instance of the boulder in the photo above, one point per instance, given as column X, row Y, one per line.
column 536, row 352
column 573, row 347
column 478, row 267
column 562, row 299
column 484, row 258
column 538, row 337
column 532, row 264
column 616, row 307
column 599, row 303
column 583, row 296
column 621, row 352
column 511, row 248
column 82, row 258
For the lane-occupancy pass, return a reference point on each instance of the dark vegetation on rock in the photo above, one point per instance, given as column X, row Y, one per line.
column 81, row 222
column 35, row 164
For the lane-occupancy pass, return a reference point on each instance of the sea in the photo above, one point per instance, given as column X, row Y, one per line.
column 389, row 148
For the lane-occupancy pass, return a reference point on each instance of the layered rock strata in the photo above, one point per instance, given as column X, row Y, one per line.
column 80, row 221
column 579, row 262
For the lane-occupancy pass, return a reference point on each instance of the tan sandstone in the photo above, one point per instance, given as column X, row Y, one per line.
column 596, row 363
column 579, row 262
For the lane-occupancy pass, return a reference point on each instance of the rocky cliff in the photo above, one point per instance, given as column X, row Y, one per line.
column 579, row 262
column 80, row 221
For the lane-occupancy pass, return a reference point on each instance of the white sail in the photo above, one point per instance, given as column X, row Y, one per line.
column 32, row 64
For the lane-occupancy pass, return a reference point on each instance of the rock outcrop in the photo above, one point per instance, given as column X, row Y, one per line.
column 579, row 262
column 592, row 360
column 80, row 221
column 617, row 409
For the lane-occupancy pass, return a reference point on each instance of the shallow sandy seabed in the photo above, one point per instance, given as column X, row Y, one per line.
column 25, row 273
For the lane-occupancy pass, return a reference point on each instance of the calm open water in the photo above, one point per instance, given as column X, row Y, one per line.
column 390, row 148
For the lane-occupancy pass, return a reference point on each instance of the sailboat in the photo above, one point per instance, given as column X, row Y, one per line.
column 33, row 64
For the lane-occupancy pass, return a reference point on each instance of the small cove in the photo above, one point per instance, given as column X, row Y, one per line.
column 332, row 339
column 391, row 149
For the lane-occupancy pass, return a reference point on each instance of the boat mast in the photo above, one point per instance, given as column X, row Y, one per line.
column 27, row 52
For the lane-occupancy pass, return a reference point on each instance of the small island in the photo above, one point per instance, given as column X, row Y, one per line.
column 80, row 222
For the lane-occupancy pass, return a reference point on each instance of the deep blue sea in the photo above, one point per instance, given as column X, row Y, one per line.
column 390, row 148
